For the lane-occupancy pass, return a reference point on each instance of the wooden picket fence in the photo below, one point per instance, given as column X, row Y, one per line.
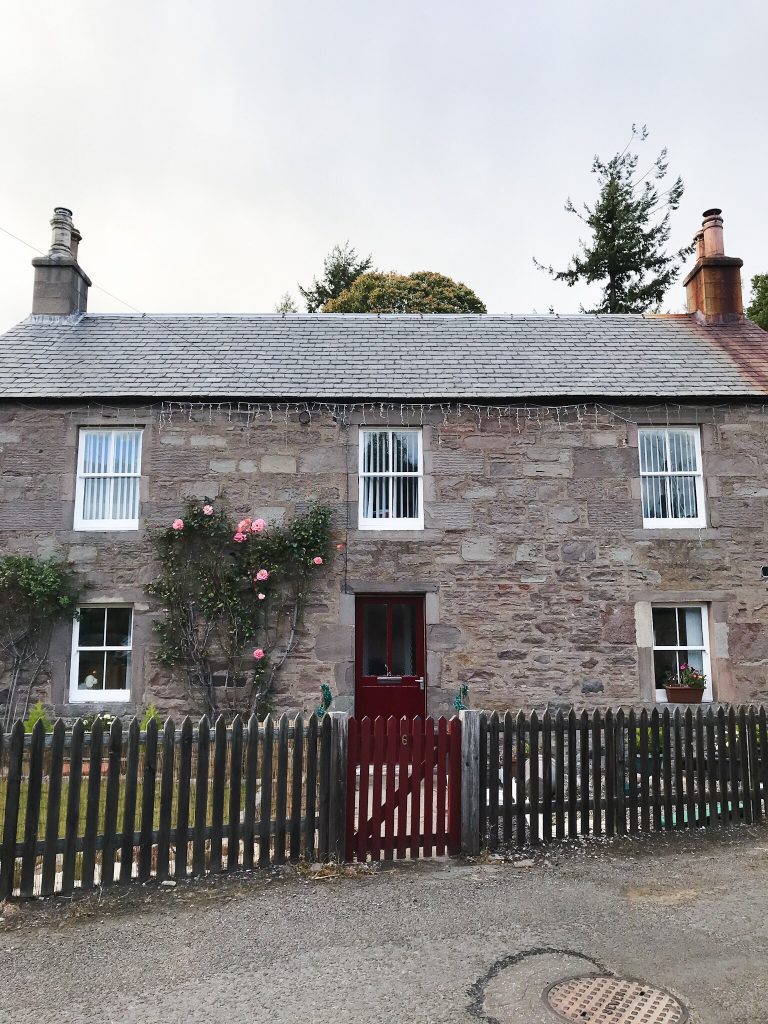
column 93, row 808
column 607, row 774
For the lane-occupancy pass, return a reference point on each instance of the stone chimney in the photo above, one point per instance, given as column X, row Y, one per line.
column 713, row 287
column 61, row 287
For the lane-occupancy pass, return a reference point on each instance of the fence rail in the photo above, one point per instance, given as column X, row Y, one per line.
column 563, row 776
column 81, row 809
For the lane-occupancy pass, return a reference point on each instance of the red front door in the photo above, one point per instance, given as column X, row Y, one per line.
column 389, row 656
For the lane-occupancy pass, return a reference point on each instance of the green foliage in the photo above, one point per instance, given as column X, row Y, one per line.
column 326, row 699
column 35, row 595
column 150, row 714
column 626, row 253
column 423, row 292
column 757, row 310
column 286, row 304
column 38, row 714
column 232, row 597
column 342, row 266
column 104, row 717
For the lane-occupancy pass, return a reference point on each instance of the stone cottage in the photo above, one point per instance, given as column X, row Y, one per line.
column 546, row 508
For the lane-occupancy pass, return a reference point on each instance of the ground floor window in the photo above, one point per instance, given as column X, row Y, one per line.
column 680, row 638
column 102, row 639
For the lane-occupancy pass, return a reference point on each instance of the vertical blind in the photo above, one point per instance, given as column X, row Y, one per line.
column 110, row 473
column 391, row 474
column 669, row 468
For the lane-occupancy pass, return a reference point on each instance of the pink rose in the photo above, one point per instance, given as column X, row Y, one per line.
column 258, row 525
column 317, row 560
column 339, row 547
column 178, row 524
column 262, row 574
column 258, row 654
column 243, row 525
column 262, row 596
column 239, row 537
column 207, row 510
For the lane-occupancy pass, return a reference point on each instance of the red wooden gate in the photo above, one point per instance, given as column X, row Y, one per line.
column 403, row 788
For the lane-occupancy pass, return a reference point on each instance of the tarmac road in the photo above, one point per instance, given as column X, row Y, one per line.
column 449, row 941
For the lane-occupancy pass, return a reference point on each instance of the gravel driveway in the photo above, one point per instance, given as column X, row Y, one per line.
column 424, row 942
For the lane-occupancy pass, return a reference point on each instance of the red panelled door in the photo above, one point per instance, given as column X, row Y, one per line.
column 390, row 656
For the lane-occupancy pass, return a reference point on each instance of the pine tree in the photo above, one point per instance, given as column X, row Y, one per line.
column 627, row 251
column 341, row 268
column 757, row 311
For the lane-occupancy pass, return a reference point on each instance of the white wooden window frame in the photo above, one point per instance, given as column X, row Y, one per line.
column 102, row 696
column 103, row 524
column 391, row 523
column 670, row 523
column 704, row 647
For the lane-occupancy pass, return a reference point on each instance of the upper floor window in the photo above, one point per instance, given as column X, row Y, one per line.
column 391, row 480
column 102, row 639
column 108, row 478
column 671, row 476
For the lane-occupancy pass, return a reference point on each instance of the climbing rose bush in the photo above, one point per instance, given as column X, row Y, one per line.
column 232, row 597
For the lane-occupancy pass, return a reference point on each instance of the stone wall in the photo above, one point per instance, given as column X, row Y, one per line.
column 538, row 574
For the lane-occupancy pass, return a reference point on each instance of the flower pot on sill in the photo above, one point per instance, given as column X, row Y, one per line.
column 684, row 694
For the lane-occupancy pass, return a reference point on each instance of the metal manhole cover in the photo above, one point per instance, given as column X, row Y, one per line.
column 607, row 1000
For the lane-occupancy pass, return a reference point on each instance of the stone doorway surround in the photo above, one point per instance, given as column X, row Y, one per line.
column 439, row 638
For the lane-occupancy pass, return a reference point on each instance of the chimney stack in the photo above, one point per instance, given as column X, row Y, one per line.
column 61, row 287
column 713, row 287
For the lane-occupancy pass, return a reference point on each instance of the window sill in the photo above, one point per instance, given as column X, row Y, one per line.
column 99, row 697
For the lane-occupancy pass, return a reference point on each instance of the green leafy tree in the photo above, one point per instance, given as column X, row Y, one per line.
column 286, row 304
column 342, row 266
column 423, row 292
column 233, row 597
column 36, row 594
column 757, row 310
column 629, row 226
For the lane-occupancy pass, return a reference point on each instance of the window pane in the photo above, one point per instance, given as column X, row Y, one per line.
column 664, row 627
column 691, row 630
column 403, row 640
column 693, row 658
column 654, row 497
column 682, row 451
column 653, row 451
column 118, row 627
column 91, row 627
column 375, row 640
column 96, row 497
column 405, row 452
column 376, row 451
column 406, row 497
column 375, row 497
column 682, row 491
column 117, row 671
column 96, row 452
column 665, row 667
column 126, row 456
column 90, row 675
column 125, row 497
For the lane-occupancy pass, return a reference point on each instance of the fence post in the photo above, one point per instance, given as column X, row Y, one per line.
column 337, row 810
column 470, row 782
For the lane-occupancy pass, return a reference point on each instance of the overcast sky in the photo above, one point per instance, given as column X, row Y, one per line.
column 214, row 152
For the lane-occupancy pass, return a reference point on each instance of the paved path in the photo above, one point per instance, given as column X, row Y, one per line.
column 442, row 942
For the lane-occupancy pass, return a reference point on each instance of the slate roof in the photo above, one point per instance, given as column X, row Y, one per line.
column 344, row 357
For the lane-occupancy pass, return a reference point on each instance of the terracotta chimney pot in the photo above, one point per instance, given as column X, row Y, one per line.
column 713, row 287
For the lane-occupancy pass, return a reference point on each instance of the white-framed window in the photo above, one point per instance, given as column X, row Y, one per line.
column 108, row 479
column 671, row 477
column 102, row 641
column 680, row 637
column 391, row 480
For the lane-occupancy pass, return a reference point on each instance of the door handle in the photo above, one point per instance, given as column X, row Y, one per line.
column 420, row 681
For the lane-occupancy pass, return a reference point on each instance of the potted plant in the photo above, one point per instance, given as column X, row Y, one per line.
column 687, row 687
